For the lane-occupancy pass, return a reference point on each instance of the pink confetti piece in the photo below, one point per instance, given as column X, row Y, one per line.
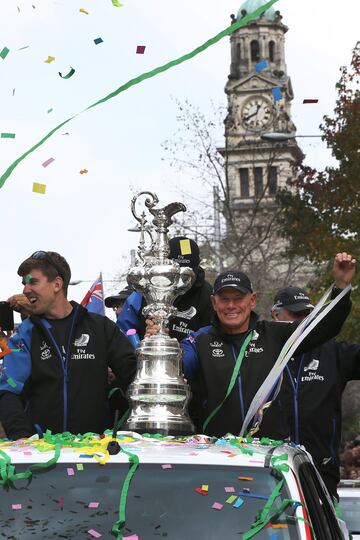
column 93, row 505
column 193, row 454
column 70, row 471
column 61, row 501
column 48, row 161
column 166, row 466
column 229, row 489
column 94, row 534
column 27, row 453
column 140, row 49
column 217, row 506
column 132, row 537
column 16, row 506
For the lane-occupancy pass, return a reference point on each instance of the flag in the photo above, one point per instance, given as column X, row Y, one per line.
column 93, row 301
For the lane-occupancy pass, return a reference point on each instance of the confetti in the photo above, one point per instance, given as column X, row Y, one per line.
column 246, row 478
column 217, row 506
column 39, row 188
column 231, row 499
column 238, row 503
column 13, row 92
column 246, row 490
column 49, row 60
column 80, row 466
column 11, row 382
column 260, row 66
column 306, row 101
column 116, row 3
column 22, row 48
column 50, row 110
column 229, row 489
column 205, row 487
column 93, row 505
column 28, row 278
column 199, row 490
column 140, row 49
column 84, row 171
column 48, row 161
column 94, row 533
column 166, row 466
column 4, row 53
column 140, row 78
column 61, row 501
column 27, row 453
column 8, row 135
column 16, row 506
column 82, row 10
column 132, row 537
column 70, row 471
column 98, row 40
column 277, row 93
column 68, row 75
column 254, row 495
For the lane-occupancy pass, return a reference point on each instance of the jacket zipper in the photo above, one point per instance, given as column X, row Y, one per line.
column 239, row 386
column 333, row 436
column 64, row 364
column 295, row 384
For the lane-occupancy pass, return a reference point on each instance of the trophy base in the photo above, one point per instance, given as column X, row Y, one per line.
column 152, row 429
column 164, row 418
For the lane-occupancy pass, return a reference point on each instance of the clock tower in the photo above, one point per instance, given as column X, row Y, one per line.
column 259, row 95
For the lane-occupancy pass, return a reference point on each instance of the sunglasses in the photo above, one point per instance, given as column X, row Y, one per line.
column 44, row 256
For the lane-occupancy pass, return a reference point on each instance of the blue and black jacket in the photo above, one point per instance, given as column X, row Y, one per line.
column 179, row 327
column 208, row 362
column 311, row 401
column 41, row 387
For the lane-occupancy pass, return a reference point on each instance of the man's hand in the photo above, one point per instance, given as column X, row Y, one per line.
column 20, row 303
column 152, row 329
column 343, row 270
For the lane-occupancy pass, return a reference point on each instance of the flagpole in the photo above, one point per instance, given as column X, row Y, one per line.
column 102, row 290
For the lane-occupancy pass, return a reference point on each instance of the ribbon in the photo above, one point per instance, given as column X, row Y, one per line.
column 300, row 333
column 147, row 75
column 119, row 524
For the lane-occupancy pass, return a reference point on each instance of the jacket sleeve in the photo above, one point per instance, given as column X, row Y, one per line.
column 120, row 354
column 348, row 355
column 326, row 329
column 15, row 369
column 206, row 313
column 190, row 357
column 130, row 315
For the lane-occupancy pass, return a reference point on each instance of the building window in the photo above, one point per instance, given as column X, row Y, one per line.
column 272, row 180
column 244, row 183
column 238, row 52
column 255, row 51
column 271, row 51
column 258, row 181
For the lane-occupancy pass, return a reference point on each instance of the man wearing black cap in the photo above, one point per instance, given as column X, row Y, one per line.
column 226, row 362
column 186, row 253
column 116, row 302
column 313, row 385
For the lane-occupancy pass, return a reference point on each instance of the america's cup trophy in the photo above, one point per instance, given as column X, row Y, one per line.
column 159, row 394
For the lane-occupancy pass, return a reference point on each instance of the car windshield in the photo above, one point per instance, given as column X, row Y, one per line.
column 350, row 507
column 174, row 502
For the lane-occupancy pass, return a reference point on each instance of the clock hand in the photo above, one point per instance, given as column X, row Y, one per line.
column 253, row 114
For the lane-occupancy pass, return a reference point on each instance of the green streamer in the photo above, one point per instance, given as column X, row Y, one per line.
column 119, row 524
column 8, row 474
column 147, row 75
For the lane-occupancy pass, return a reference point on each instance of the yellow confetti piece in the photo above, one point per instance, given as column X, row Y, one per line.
column 185, row 247
column 231, row 499
column 205, row 487
column 82, row 10
column 246, row 478
column 39, row 188
column 49, row 60
column 80, row 466
column 279, row 526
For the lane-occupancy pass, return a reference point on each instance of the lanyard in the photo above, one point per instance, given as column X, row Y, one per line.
column 234, row 376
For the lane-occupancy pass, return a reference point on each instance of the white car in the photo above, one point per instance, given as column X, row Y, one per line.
column 188, row 488
column 349, row 493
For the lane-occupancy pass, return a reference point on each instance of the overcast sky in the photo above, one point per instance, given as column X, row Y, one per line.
column 85, row 216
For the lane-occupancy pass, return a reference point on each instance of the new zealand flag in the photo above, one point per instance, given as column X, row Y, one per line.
column 93, row 301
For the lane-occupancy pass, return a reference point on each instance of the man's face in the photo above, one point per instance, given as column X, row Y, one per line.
column 41, row 293
column 233, row 309
column 284, row 314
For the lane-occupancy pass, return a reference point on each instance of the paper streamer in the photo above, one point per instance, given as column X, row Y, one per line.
column 300, row 333
column 147, row 75
column 68, row 75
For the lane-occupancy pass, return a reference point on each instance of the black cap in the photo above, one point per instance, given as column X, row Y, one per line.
column 293, row 299
column 112, row 301
column 236, row 280
column 184, row 251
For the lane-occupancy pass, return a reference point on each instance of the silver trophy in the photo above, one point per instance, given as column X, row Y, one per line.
column 158, row 395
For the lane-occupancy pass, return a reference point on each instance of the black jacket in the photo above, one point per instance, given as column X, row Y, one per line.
column 63, row 393
column 311, row 400
column 179, row 327
column 209, row 358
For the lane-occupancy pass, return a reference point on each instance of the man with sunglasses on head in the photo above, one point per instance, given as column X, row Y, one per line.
column 313, row 385
column 61, row 353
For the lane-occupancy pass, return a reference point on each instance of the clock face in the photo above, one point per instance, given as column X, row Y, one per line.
column 256, row 113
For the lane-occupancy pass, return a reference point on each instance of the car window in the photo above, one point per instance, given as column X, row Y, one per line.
column 162, row 503
column 350, row 507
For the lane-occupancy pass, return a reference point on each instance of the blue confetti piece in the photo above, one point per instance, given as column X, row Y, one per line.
column 254, row 495
column 277, row 93
column 274, row 536
column 239, row 502
column 260, row 66
column 98, row 40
